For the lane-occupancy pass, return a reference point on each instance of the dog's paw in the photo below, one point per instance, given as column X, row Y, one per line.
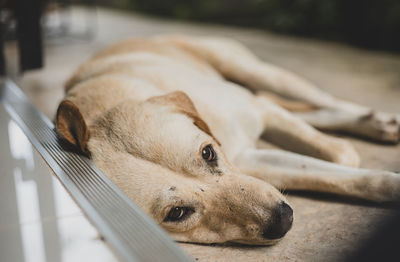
column 381, row 186
column 380, row 126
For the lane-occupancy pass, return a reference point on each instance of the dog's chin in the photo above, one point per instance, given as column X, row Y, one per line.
column 263, row 242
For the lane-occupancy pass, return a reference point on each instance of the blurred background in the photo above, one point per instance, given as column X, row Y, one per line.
column 365, row 23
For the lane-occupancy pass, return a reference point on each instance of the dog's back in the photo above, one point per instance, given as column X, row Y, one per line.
column 152, row 50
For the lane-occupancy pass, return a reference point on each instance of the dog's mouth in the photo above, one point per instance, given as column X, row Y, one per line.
column 237, row 242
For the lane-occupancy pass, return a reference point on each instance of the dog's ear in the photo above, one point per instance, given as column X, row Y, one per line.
column 71, row 125
column 183, row 104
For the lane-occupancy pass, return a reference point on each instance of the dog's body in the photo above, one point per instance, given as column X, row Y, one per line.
column 159, row 117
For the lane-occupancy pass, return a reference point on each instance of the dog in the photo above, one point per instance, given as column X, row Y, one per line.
column 173, row 121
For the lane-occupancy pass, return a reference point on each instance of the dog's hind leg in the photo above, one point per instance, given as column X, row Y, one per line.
column 235, row 62
column 289, row 132
column 290, row 171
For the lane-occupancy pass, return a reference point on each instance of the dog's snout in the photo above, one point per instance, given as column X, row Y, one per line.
column 281, row 222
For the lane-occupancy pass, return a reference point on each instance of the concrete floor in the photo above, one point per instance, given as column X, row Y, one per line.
column 325, row 228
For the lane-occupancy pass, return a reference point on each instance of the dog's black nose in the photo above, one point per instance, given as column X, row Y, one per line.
column 281, row 222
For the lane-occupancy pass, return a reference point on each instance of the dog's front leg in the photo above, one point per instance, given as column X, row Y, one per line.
column 291, row 171
column 289, row 132
column 363, row 122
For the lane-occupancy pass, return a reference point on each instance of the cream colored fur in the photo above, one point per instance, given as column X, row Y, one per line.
column 145, row 108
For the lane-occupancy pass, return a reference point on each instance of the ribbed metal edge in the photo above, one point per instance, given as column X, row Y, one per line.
column 132, row 235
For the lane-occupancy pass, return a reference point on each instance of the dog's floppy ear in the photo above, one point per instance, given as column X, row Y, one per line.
column 71, row 125
column 183, row 104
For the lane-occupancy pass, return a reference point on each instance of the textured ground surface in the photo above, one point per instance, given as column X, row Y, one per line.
column 325, row 228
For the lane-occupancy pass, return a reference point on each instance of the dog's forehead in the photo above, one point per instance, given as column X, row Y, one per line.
column 158, row 124
column 155, row 133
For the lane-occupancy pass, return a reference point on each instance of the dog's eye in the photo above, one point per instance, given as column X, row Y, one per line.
column 178, row 213
column 208, row 153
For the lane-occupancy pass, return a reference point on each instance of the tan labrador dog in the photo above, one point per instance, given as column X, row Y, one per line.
column 167, row 120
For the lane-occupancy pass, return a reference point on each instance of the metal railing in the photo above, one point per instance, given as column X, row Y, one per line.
column 129, row 231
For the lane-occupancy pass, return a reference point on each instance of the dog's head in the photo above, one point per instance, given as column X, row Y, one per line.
column 165, row 158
